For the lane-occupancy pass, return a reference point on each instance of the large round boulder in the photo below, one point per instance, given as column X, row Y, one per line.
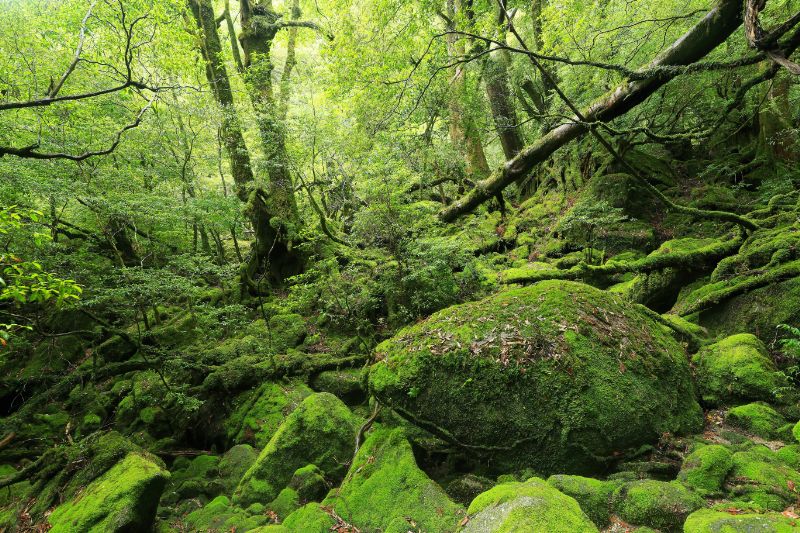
column 558, row 376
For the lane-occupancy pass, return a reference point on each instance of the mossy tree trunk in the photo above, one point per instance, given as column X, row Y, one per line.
column 266, row 260
column 260, row 25
column 464, row 134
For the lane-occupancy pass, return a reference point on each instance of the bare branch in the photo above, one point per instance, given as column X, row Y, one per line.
column 30, row 152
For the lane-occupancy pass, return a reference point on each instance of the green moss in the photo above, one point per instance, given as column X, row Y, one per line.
column 790, row 455
column 285, row 503
column 593, row 495
column 557, row 376
column 259, row 414
column 309, row 519
column 757, row 311
column 759, row 251
column 658, row 504
column 346, row 384
column 736, row 369
column 234, row 464
column 320, row 431
column 221, row 515
column 711, row 521
column 512, row 275
column 385, row 490
column 123, row 499
column 309, row 483
column 285, row 331
column 464, row 488
column 531, row 505
column 759, row 475
column 759, row 419
column 705, row 469
column 658, row 289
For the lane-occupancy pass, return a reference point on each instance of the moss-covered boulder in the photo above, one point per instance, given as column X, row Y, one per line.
column 558, row 376
column 706, row 468
column 593, row 495
column 760, row 419
column 258, row 414
column 736, row 369
column 711, row 521
column 519, row 507
column 661, row 505
column 124, row 499
column 757, row 311
column 763, row 477
column 321, row 431
column 311, row 518
column 386, row 491
column 346, row 384
column 234, row 464
column 221, row 515
column 198, row 477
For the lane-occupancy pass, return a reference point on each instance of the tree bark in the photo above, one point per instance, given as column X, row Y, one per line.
column 501, row 103
column 247, row 190
column 701, row 39
column 260, row 25
column 464, row 133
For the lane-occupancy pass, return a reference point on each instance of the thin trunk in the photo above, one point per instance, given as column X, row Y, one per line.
column 464, row 134
column 500, row 101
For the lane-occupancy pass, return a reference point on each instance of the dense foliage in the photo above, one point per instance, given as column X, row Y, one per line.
column 386, row 265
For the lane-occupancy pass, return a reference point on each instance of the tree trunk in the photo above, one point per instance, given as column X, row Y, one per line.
column 464, row 132
column 267, row 239
column 503, row 112
column 701, row 39
column 259, row 29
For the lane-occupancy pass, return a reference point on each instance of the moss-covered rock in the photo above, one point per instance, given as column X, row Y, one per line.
column 285, row 331
column 386, row 491
column 757, row 311
column 736, row 369
column 259, row 414
column 593, row 495
column 759, row 419
column 519, row 507
column 234, row 464
column 705, row 469
column 345, row 384
column 222, row 515
column 310, row 518
column 711, row 521
column 658, row 504
column 190, row 479
column 759, row 475
column 123, row 499
column 465, row 488
column 310, row 484
column 320, row 431
column 558, row 376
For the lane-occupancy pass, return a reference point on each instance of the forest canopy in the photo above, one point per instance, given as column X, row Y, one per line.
column 393, row 265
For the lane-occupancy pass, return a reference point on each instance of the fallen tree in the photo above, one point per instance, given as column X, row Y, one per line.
column 715, row 27
column 702, row 257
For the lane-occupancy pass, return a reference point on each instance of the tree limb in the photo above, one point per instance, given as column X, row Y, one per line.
column 702, row 38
